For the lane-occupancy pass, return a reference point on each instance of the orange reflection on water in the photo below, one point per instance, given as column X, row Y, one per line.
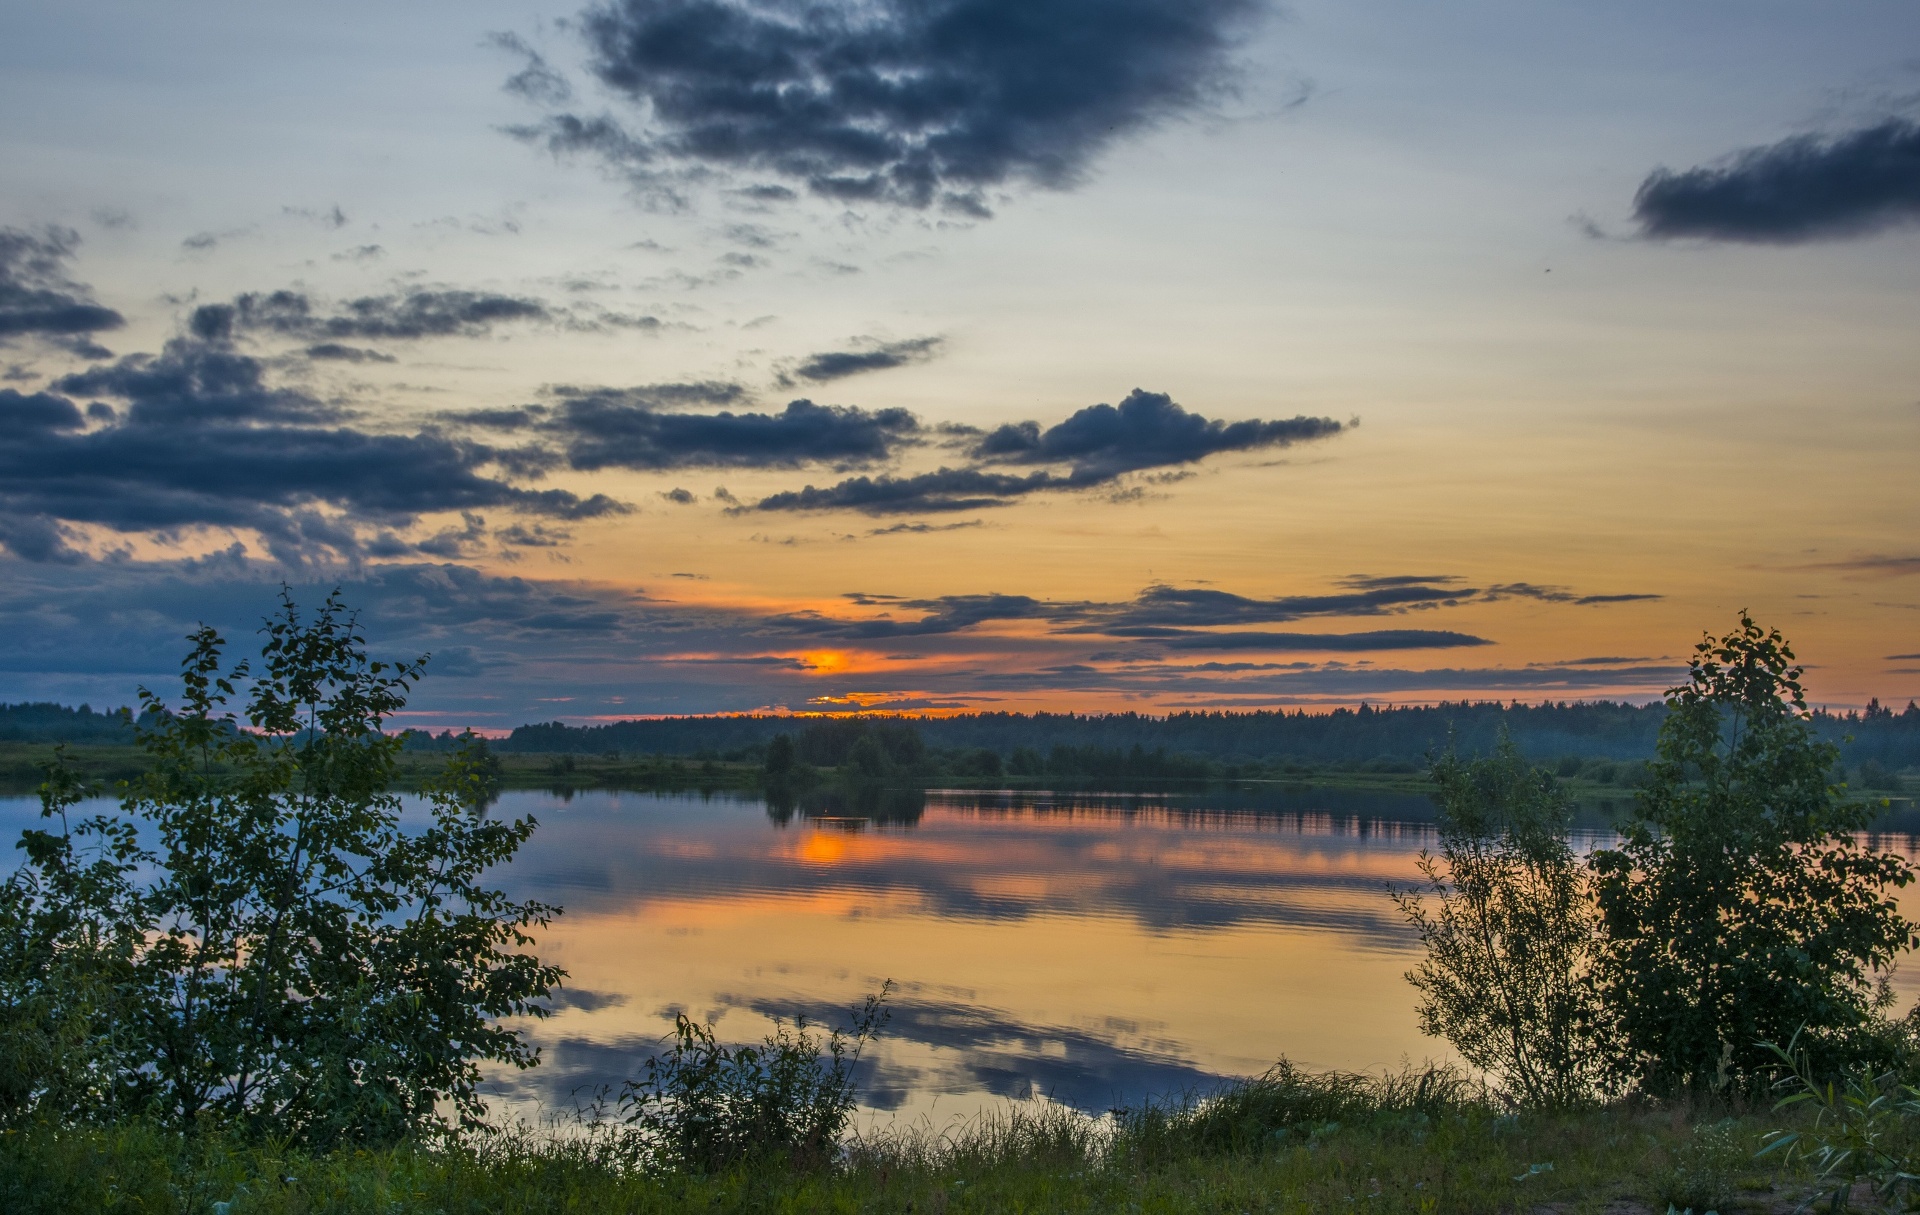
column 1094, row 955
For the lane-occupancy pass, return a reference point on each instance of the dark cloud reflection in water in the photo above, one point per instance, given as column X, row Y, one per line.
column 1087, row 948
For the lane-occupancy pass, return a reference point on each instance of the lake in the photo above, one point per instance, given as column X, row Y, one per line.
column 1084, row 948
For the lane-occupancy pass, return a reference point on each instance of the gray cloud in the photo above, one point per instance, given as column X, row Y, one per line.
column 536, row 80
column 197, row 381
column 203, row 440
column 1376, row 640
column 92, row 630
column 1146, row 430
column 399, row 316
column 877, row 356
column 1810, row 187
column 898, row 101
column 636, row 428
column 947, row 614
column 1559, row 594
column 1189, row 607
column 38, row 299
column 947, row 489
column 347, row 354
column 1099, row 443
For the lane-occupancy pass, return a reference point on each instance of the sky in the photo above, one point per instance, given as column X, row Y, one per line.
column 687, row 356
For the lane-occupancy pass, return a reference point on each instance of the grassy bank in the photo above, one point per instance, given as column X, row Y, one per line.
column 1382, row 1154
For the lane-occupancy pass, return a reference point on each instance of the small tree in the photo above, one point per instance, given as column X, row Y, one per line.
column 1507, row 974
column 1739, row 909
column 299, row 964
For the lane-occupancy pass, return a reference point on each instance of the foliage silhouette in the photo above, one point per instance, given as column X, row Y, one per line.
column 1507, row 978
column 1739, row 908
column 706, row 1107
column 284, row 959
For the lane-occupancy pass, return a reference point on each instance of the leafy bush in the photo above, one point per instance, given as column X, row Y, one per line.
column 705, row 1107
column 1863, row 1129
column 1739, row 906
column 285, row 960
column 1507, row 976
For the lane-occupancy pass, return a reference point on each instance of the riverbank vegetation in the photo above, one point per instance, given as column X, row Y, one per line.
column 1307, row 1145
column 250, row 989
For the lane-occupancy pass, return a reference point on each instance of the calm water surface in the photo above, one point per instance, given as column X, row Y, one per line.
column 1092, row 949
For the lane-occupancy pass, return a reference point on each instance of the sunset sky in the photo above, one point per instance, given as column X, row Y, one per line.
column 671, row 356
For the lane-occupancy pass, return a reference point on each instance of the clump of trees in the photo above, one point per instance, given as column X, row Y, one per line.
column 253, row 941
column 1738, row 910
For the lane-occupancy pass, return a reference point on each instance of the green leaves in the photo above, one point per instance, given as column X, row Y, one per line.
column 1507, row 976
column 1739, row 905
column 298, row 965
column 706, row 1107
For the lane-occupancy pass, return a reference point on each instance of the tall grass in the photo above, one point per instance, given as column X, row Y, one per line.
column 1260, row 1114
column 1421, row 1140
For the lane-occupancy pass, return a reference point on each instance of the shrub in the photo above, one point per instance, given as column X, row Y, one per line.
column 286, row 960
column 1739, row 907
column 705, row 1107
column 1507, row 976
column 1255, row 1115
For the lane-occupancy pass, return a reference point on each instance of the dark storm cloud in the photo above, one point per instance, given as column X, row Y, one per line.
column 839, row 364
column 614, row 429
column 911, row 102
column 38, row 299
column 1810, row 187
column 203, row 440
column 1098, row 444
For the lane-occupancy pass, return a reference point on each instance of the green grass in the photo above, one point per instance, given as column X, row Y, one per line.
column 1291, row 1142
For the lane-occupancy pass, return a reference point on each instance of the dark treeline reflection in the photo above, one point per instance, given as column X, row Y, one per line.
column 849, row 805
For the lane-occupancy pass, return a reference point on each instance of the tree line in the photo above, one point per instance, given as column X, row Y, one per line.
column 1595, row 729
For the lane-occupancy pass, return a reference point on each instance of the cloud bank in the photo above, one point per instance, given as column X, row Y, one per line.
column 199, row 438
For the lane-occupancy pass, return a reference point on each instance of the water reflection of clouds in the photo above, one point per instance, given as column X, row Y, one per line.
column 929, row 1049
column 1164, row 866
column 1092, row 950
